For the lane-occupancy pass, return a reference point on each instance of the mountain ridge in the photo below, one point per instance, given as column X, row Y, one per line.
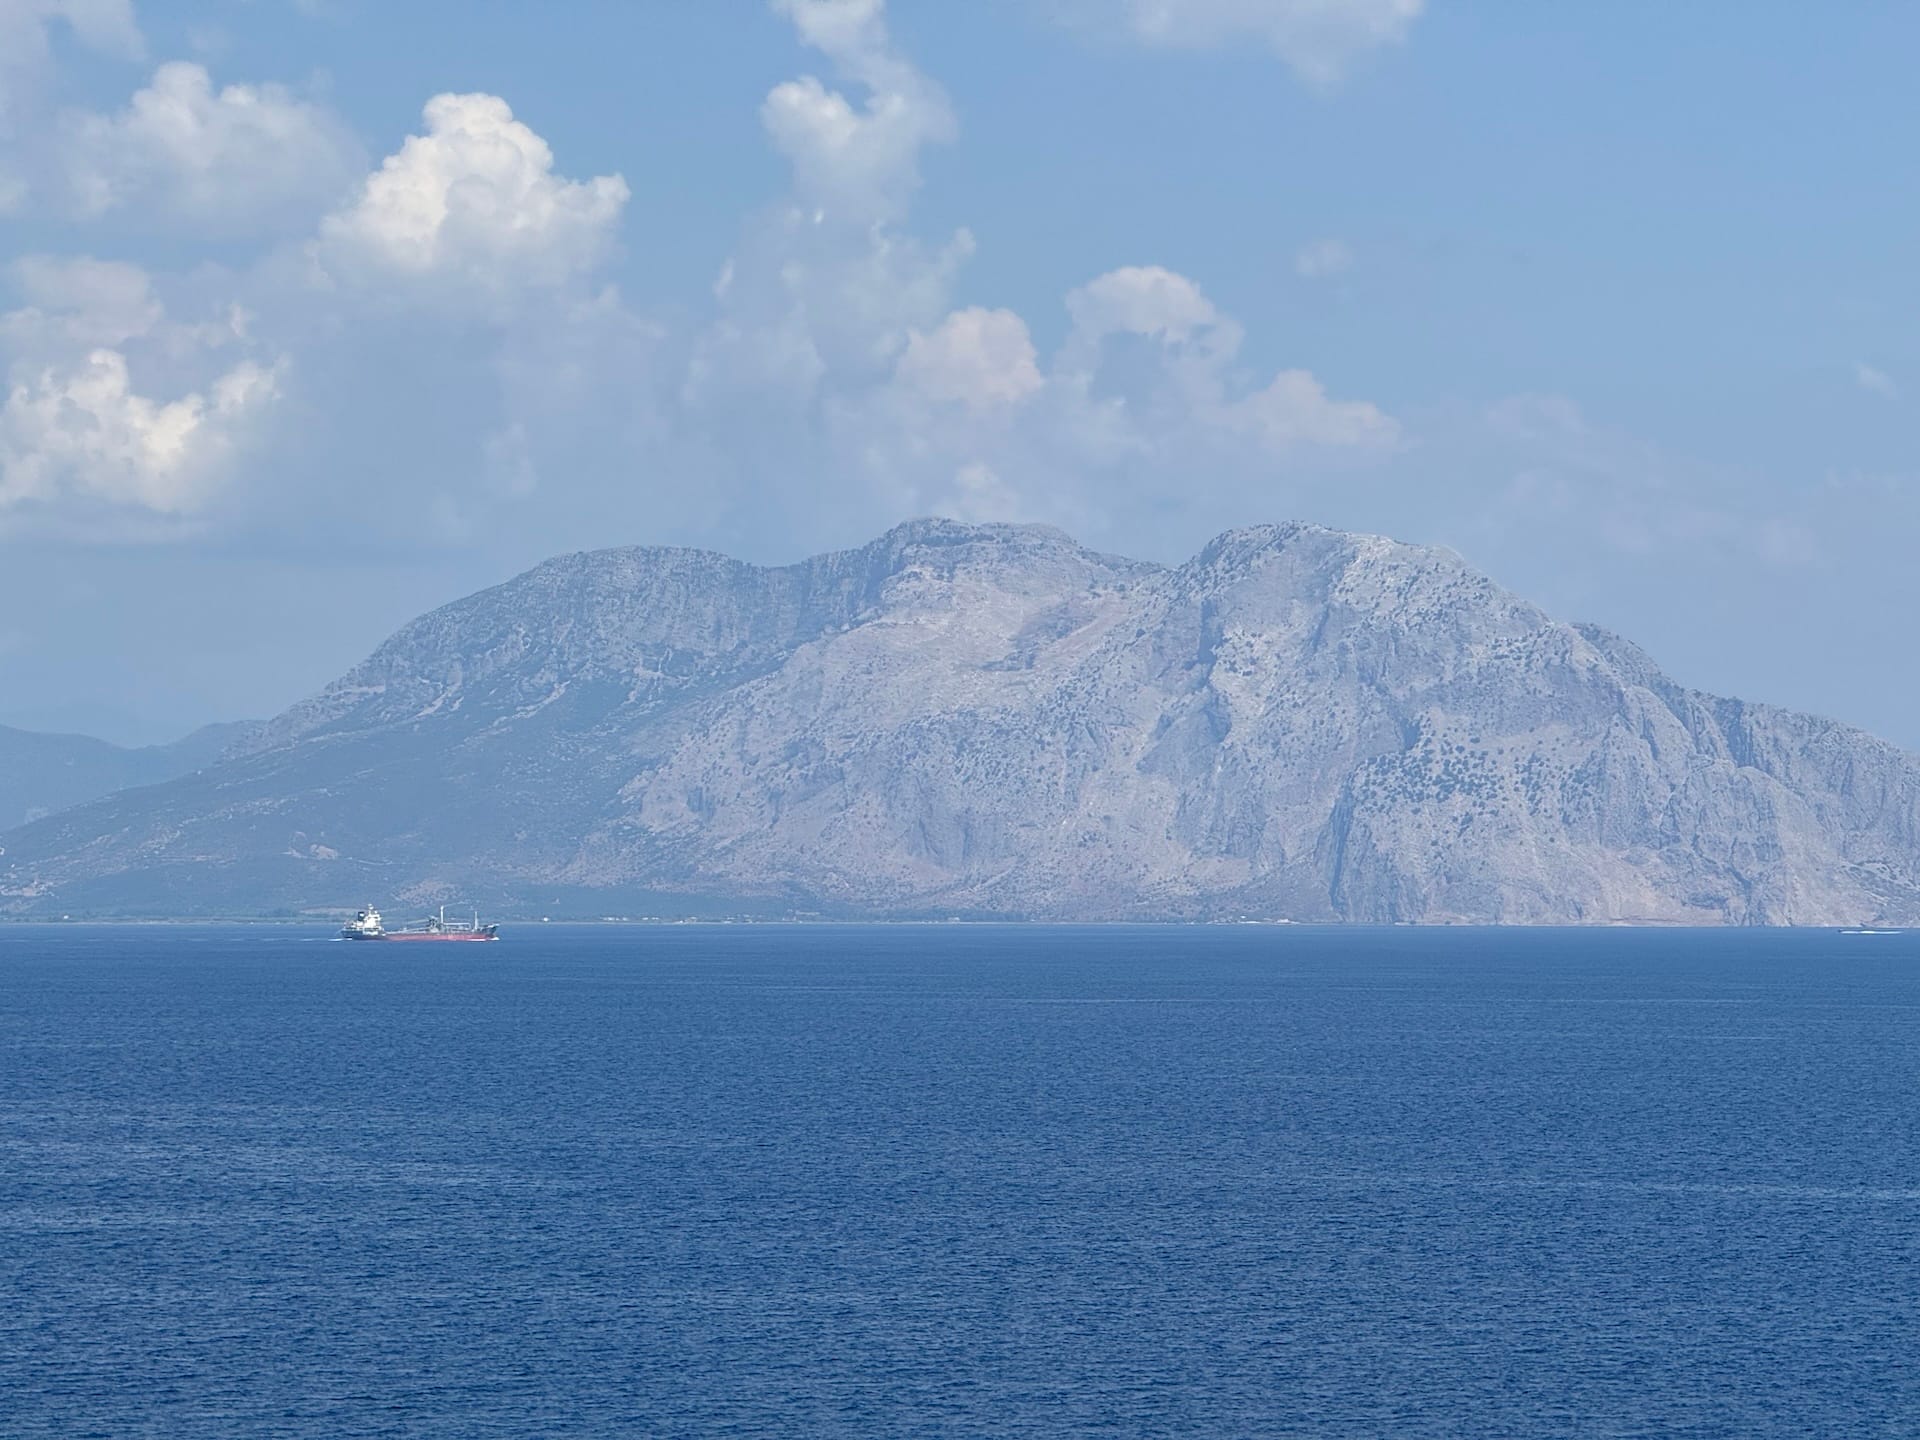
column 1296, row 723
column 43, row 772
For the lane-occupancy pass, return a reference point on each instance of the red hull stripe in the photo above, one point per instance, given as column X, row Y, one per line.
column 444, row 938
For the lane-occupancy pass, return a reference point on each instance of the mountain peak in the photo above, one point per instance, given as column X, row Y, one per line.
column 1251, row 544
column 939, row 530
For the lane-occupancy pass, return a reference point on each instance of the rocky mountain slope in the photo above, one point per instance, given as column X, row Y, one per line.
column 992, row 720
column 42, row 773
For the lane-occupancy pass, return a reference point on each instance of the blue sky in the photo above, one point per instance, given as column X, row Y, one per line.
column 1616, row 301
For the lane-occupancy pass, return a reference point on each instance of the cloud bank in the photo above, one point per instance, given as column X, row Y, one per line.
column 442, row 329
column 236, row 160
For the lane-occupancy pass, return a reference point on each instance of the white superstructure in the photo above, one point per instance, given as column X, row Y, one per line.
column 364, row 926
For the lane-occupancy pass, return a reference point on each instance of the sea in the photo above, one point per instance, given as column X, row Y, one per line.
column 959, row 1180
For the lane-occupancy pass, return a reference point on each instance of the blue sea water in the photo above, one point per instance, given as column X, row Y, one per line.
column 958, row 1180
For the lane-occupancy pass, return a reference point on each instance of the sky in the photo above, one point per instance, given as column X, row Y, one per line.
column 315, row 314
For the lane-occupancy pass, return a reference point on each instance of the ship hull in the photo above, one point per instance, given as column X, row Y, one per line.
column 441, row 939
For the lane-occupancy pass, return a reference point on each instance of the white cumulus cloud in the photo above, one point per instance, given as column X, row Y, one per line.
column 473, row 203
column 1142, row 300
column 1187, row 384
column 1294, row 411
column 1144, row 408
column 826, row 291
column 979, row 358
column 80, row 434
column 83, row 433
column 234, row 159
column 849, row 30
column 857, row 163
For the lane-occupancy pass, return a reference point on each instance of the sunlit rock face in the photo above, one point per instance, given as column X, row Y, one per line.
column 991, row 720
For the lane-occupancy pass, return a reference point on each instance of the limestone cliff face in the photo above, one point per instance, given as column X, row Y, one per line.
column 992, row 720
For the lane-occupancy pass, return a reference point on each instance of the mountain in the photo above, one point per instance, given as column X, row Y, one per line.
column 992, row 720
column 42, row 773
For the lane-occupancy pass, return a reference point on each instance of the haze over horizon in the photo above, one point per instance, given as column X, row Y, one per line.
column 317, row 316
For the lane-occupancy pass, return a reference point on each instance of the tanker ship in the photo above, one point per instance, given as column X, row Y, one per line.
column 366, row 925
